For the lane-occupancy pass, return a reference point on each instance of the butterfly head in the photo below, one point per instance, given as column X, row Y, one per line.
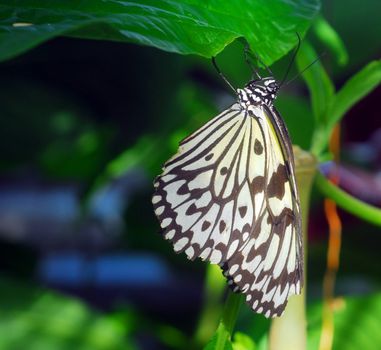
column 264, row 89
column 267, row 85
column 271, row 85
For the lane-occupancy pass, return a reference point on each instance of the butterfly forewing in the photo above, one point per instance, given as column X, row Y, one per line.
column 229, row 196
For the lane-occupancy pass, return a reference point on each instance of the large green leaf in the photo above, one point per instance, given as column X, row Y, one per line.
column 187, row 27
column 321, row 91
column 319, row 84
column 329, row 108
column 331, row 39
column 361, row 84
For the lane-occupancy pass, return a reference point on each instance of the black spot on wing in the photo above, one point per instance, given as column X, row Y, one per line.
column 278, row 179
column 258, row 184
column 242, row 211
column 224, row 170
column 192, row 209
column 205, row 225
column 258, row 148
column 209, row 156
column 183, row 189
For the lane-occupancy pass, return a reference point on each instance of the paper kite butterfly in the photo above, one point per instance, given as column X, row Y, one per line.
column 229, row 196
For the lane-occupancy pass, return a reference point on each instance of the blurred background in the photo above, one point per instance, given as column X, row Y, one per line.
column 85, row 127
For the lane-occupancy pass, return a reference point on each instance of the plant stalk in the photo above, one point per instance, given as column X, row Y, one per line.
column 228, row 320
column 349, row 203
column 215, row 284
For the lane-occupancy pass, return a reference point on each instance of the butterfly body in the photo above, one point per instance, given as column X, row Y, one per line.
column 229, row 196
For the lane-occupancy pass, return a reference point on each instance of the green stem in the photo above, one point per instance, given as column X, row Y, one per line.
column 215, row 284
column 228, row 320
column 349, row 203
column 214, row 287
column 289, row 332
column 231, row 309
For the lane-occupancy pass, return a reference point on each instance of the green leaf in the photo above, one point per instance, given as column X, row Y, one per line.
column 138, row 155
column 330, row 108
column 354, row 90
column 321, row 91
column 319, row 84
column 214, row 288
column 329, row 37
column 220, row 340
column 243, row 342
column 186, row 27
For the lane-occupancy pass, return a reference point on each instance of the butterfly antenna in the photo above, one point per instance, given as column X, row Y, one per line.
column 291, row 61
column 248, row 52
column 300, row 73
column 248, row 62
column 264, row 64
column 222, row 75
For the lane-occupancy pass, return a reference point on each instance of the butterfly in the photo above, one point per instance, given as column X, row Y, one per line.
column 229, row 196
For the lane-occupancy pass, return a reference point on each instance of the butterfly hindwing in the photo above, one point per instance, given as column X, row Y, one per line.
column 268, row 268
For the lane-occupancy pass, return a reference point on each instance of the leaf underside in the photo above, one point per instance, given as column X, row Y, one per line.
column 186, row 27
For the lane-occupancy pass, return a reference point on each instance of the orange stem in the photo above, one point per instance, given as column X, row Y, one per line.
column 333, row 254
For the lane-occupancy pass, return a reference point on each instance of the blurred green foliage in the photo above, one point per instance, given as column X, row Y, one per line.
column 356, row 323
column 33, row 318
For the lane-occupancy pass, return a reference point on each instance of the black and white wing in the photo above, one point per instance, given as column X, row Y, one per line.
column 229, row 196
